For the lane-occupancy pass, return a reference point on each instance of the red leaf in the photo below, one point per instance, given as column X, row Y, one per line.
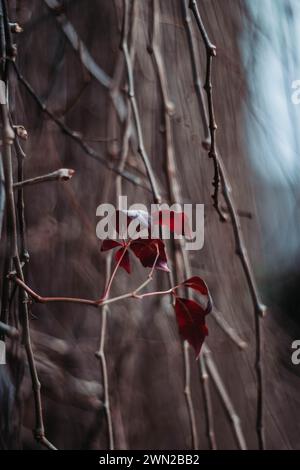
column 109, row 244
column 191, row 322
column 177, row 222
column 146, row 251
column 125, row 262
column 197, row 284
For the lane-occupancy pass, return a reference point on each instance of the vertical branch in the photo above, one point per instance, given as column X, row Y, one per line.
column 225, row 398
column 2, row 195
column 208, row 404
column 183, row 262
column 188, row 394
column 8, row 137
column 7, row 140
column 124, row 152
column 212, row 152
column 181, row 259
column 241, row 251
column 134, row 107
column 114, row 90
column 20, row 206
column 100, row 354
column 196, row 76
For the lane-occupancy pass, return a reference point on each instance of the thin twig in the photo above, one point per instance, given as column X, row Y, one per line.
column 259, row 307
column 7, row 140
column 20, row 154
column 196, row 75
column 100, row 354
column 225, row 398
column 175, row 196
column 212, row 152
column 208, row 404
column 84, row 55
column 63, row 174
column 134, row 107
column 13, row 276
column 75, row 135
column 124, row 153
column 2, row 194
column 228, row 330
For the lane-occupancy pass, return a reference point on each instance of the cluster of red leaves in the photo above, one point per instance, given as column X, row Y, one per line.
column 145, row 249
column 190, row 315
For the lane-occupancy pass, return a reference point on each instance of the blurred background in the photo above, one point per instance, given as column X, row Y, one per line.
column 258, row 60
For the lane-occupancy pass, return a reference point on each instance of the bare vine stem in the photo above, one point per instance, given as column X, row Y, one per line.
column 84, row 55
column 63, row 174
column 196, row 75
column 75, row 135
column 225, row 398
column 100, row 354
column 134, row 107
column 7, row 140
column 174, row 194
column 208, row 404
column 212, row 151
column 93, row 303
column 241, row 251
column 228, row 329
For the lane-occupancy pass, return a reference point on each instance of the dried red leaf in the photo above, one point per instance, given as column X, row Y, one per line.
column 146, row 250
column 197, row 284
column 190, row 318
column 125, row 261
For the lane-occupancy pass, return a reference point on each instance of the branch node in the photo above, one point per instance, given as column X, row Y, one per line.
column 16, row 28
column 21, row 132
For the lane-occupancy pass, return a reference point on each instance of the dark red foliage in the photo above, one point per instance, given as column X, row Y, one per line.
column 197, row 284
column 191, row 322
column 147, row 249
column 190, row 315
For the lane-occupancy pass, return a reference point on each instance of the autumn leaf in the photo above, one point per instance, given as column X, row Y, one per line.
column 146, row 250
column 190, row 318
column 197, row 284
